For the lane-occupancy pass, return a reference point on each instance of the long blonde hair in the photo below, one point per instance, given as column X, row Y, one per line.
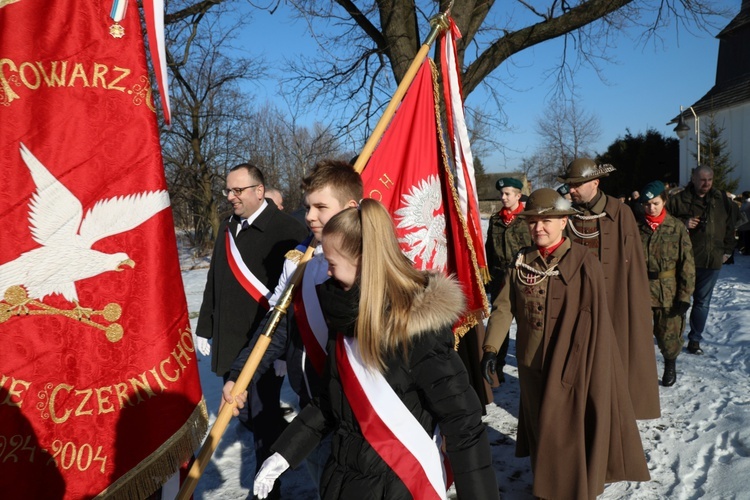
column 388, row 280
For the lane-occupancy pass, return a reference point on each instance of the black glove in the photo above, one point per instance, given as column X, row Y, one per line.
column 489, row 361
column 680, row 308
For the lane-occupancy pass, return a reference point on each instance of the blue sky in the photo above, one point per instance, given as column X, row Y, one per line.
column 644, row 87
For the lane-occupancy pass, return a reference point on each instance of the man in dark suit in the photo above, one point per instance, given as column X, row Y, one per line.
column 245, row 268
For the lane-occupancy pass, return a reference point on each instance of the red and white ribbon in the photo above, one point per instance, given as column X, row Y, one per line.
column 153, row 11
column 310, row 321
column 459, row 140
column 242, row 273
column 388, row 425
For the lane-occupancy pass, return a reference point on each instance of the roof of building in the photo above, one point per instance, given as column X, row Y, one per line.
column 732, row 85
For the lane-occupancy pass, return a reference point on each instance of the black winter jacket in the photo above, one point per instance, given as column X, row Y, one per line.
column 431, row 381
column 228, row 314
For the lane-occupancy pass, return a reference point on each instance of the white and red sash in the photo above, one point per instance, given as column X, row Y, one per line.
column 242, row 273
column 388, row 425
column 310, row 321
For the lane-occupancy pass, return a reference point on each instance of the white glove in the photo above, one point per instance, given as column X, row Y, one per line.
column 279, row 366
column 202, row 346
column 269, row 472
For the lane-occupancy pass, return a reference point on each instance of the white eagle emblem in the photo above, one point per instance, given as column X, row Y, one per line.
column 421, row 224
column 66, row 236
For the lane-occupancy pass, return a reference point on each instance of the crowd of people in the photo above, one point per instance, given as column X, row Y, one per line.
column 388, row 410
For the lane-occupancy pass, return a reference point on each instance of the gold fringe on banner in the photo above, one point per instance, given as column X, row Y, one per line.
column 485, row 275
column 149, row 475
column 471, row 320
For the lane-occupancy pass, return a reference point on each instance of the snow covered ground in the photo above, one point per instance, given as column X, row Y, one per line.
column 699, row 448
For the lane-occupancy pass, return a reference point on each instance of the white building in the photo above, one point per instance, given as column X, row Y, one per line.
column 728, row 102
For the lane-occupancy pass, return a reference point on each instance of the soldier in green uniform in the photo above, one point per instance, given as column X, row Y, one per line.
column 671, row 274
column 506, row 236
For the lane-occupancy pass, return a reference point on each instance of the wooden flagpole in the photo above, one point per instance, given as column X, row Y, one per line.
column 438, row 23
column 243, row 381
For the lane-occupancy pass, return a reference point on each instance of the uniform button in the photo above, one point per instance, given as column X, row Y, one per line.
column 541, row 292
column 540, row 308
column 539, row 323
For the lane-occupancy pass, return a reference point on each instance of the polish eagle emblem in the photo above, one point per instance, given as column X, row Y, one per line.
column 420, row 223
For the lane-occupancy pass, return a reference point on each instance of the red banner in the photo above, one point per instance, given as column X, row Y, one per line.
column 99, row 387
column 409, row 174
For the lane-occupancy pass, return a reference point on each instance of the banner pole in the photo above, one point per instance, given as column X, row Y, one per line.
column 439, row 23
column 243, row 381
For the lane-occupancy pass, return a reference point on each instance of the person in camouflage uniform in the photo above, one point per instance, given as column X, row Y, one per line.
column 506, row 236
column 671, row 274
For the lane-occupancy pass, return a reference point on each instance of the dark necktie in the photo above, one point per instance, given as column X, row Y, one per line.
column 245, row 225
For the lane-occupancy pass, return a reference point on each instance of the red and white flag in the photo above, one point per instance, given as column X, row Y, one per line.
column 99, row 387
column 458, row 136
column 409, row 173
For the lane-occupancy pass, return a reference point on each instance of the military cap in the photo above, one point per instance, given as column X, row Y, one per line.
column 584, row 170
column 651, row 191
column 563, row 190
column 508, row 182
column 548, row 202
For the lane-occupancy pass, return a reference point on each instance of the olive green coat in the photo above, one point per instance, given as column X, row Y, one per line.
column 669, row 248
column 502, row 244
column 713, row 239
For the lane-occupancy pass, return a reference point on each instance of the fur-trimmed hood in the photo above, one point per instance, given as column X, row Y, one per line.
column 440, row 304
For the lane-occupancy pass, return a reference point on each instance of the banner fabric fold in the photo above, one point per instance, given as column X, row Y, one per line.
column 409, row 173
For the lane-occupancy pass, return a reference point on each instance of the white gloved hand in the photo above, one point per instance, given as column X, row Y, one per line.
column 202, row 346
column 279, row 366
column 269, row 472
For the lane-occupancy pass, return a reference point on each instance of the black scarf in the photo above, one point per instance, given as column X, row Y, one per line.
column 340, row 307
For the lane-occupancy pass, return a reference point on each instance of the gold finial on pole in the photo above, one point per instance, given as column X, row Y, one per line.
column 439, row 23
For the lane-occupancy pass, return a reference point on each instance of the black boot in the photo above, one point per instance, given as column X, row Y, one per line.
column 694, row 347
column 670, row 373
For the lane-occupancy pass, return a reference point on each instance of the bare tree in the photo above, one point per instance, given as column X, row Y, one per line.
column 565, row 132
column 366, row 46
column 208, row 115
column 285, row 151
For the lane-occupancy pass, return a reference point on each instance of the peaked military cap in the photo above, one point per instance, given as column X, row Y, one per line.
column 651, row 191
column 563, row 190
column 584, row 170
column 546, row 201
column 508, row 182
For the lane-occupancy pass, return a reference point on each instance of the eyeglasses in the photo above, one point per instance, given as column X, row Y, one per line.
column 237, row 191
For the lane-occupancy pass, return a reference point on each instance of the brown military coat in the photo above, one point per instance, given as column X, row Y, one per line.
column 629, row 300
column 575, row 419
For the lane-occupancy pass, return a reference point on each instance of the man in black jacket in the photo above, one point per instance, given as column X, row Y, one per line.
column 709, row 218
column 245, row 268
